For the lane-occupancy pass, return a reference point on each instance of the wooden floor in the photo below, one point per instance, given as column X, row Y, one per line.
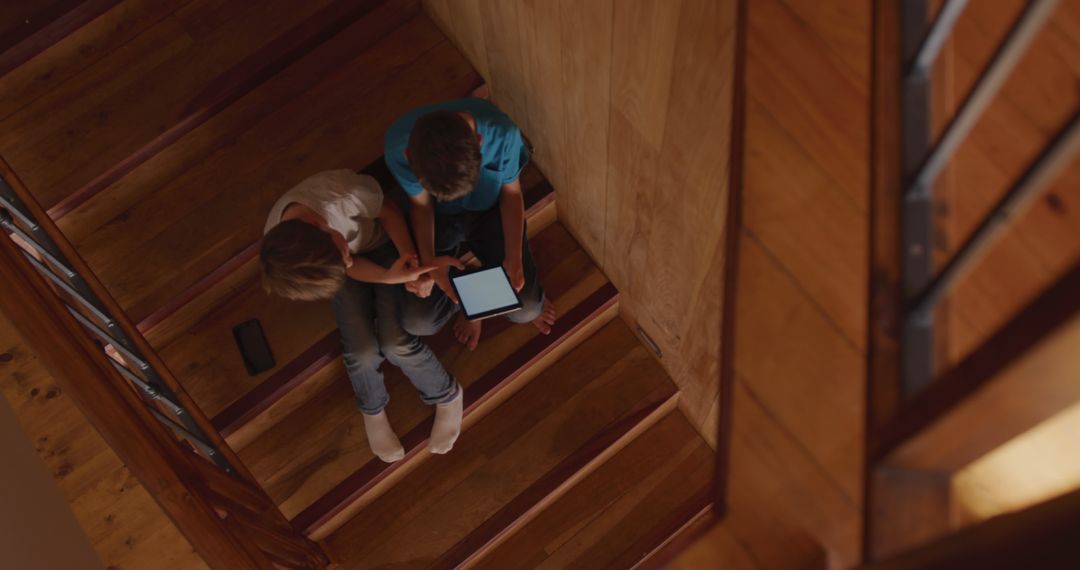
column 158, row 134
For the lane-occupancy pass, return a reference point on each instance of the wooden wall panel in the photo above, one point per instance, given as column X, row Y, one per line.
column 628, row 103
column 586, row 86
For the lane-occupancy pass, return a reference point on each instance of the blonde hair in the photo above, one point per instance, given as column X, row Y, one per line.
column 301, row 262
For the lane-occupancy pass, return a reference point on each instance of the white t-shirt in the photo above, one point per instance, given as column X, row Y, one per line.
column 349, row 202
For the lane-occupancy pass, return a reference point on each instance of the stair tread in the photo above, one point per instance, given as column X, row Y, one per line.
column 298, row 460
column 605, row 379
column 614, row 517
column 78, row 51
column 203, row 356
column 156, row 246
column 129, row 97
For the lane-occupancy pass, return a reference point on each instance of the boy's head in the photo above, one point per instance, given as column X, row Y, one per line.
column 302, row 262
column 444, row 152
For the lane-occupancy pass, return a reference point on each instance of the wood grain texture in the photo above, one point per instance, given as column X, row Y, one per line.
column 121, row 519
column 168, row 469
column 631, row 123
column 299, row 461
column 1041, row 243
column 801, row 298
column 608, row 377
column 717, row 549
column 611, row 511
column 262, row 162
column 95, row 128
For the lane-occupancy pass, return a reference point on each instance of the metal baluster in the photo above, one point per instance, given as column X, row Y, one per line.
column 11, row 209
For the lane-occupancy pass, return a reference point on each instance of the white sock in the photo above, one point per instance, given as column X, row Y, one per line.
column 381, row 437
column 447, row 424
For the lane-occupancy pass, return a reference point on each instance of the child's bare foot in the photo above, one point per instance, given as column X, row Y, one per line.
column 467, row 332
column 546, row 319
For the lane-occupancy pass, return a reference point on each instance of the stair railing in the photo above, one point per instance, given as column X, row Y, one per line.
column 923, row 427
column 99, row 358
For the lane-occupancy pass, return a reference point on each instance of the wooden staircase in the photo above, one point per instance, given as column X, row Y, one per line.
column 160, row 155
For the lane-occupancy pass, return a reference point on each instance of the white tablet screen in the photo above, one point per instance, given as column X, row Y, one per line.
column 485, row 291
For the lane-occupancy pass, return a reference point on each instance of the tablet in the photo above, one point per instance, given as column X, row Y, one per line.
column 485, row 292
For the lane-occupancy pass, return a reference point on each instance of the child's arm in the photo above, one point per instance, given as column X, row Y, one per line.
column 512, row 208
column 423, row 220
column 393, row 221
column 403, row 270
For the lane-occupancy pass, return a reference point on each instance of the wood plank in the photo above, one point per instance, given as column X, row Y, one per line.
column 234, row 83
column 96, row 128
column 264, row 161
column 605, row 379
column 1025, row 374
column 118, row 413
column 586, row 79
column 41, row 30
column 783, row 508
column 822, row 366
column 607, row 519
column 907, row 509
column 680, row 304
column 717, row 549
column 811, row 93
column 79, row 51
column 468, row 25
column 502, row 377
column 502, row 42
column 279, row 381
column 535, row 501
column 213, row 372
column 541, row 64
column 222, row 131
column 113, row 508
column 1043, row 536
column 298, row 461
column 644, row 36
column 1035, row 101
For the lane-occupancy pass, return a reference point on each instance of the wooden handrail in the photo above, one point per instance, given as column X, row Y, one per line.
column 216, row 511
column 126, row 325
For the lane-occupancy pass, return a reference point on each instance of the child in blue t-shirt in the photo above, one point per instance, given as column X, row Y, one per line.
column 459, row 162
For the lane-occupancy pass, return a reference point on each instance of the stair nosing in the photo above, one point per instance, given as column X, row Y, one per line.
column 305, row 365
column 317, row 516
column 277, row 59
column 558, row 481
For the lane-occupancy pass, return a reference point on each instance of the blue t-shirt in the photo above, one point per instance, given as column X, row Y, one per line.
column 502, row 153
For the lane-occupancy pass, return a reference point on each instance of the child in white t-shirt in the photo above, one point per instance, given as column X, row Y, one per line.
column 334, row 236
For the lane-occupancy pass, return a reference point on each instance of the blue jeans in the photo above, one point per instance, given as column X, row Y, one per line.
column 482, row 234
column 367, row 315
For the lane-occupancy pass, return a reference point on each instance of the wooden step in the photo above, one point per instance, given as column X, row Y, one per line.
column 170, row 77
column 146, row 236
column 316, row 469
column 302, row 336
column 597, row 393
column 613, row 517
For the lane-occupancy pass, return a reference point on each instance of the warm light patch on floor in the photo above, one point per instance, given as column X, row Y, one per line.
column 1041, row 464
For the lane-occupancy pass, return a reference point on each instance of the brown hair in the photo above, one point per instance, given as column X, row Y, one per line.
column 301, row 262
column 445, row 154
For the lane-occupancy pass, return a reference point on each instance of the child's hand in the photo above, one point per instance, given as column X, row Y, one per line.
column 421, row 287
column 514, row 270
column 442, row 276
column 406, row 269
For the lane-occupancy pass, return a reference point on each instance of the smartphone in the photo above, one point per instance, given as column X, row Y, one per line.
column 253, row 347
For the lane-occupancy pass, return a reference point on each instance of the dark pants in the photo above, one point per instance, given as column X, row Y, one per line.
column 482, row 234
